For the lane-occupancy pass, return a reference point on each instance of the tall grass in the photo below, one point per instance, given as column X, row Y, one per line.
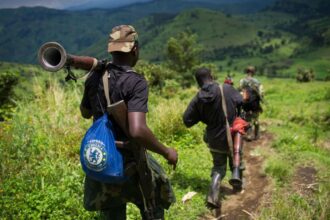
column 39, row 154
column 40, row 170
column 41, row 177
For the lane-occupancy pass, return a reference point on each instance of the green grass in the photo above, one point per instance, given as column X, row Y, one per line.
column 317, row 60
column 298, row 116
column 39, row 149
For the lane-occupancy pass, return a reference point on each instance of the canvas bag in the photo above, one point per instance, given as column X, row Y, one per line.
column 99, row 156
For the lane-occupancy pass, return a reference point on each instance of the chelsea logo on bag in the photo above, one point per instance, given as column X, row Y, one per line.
column 99, row 156
column 95, row 155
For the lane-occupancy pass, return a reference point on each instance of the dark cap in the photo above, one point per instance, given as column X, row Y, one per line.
column 122, row 38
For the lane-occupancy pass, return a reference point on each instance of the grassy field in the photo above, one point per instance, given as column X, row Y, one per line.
column 39, row 150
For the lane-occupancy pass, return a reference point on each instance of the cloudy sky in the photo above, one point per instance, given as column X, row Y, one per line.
column 59, row 3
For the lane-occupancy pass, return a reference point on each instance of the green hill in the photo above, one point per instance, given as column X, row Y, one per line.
column 277, row 40
column 23, row 30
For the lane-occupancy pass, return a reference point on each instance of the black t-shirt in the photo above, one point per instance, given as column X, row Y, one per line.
column 124, row 84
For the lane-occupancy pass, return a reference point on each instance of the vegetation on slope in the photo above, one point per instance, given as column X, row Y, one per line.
column 276, row 39
column 39, row 149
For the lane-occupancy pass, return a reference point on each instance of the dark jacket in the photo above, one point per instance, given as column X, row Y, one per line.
column 206, row 107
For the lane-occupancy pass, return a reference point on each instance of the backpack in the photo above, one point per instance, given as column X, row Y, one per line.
column 99, row 156
column 251, row 99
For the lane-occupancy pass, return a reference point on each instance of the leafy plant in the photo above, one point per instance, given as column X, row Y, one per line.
column 183, row 54
column 304, row 75
column 8, row 81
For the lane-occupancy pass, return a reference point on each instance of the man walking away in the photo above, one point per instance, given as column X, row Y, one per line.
column 206, row 107
column 252, row 91
column 125, row 84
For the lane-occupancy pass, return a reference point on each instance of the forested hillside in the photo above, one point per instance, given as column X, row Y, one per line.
column 76, row 30
column 278, row 39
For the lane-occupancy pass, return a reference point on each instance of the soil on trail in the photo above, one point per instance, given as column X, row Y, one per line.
column 244, row 204
column 305, row 182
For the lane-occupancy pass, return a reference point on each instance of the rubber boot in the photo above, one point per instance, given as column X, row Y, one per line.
column 236, row 179
column 213, row 197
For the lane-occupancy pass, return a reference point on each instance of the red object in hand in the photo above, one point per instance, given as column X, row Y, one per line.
column 229, row 81
column 239, row 125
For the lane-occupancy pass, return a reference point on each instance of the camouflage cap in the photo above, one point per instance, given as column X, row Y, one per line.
column 122, row 38
column 250, row 69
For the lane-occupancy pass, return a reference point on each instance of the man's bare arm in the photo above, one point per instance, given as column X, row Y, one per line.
column 140, row 131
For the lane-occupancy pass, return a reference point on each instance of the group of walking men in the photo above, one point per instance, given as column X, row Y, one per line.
column 125, row 84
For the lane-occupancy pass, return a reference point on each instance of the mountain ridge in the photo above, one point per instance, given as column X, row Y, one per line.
column 273, row 39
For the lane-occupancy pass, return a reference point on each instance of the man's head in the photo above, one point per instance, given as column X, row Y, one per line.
column 250, row 70
column 203, row 75
column 123, row 44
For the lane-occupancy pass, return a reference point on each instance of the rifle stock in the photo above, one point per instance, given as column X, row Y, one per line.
column 118, row 111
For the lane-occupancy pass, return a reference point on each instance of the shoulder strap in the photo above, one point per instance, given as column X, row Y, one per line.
column 105, row 79
column 224, row 108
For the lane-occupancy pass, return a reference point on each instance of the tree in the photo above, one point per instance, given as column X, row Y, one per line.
column 155, row 74
column 183, row 54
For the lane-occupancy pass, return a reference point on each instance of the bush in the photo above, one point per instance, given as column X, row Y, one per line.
column 168, row 123
column 155, row 74
column 8, row 80
column 304, row 75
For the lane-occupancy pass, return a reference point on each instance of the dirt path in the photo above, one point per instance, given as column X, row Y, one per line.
column 243, row 205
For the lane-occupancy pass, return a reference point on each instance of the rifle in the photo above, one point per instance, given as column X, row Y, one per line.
column 118, row 111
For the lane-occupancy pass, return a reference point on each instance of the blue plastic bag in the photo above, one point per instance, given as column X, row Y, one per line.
column 99, row 156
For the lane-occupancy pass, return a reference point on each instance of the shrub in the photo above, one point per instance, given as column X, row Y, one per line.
column 8, row 80
column 155, row 74
column 168, row 122
column 304, row 75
